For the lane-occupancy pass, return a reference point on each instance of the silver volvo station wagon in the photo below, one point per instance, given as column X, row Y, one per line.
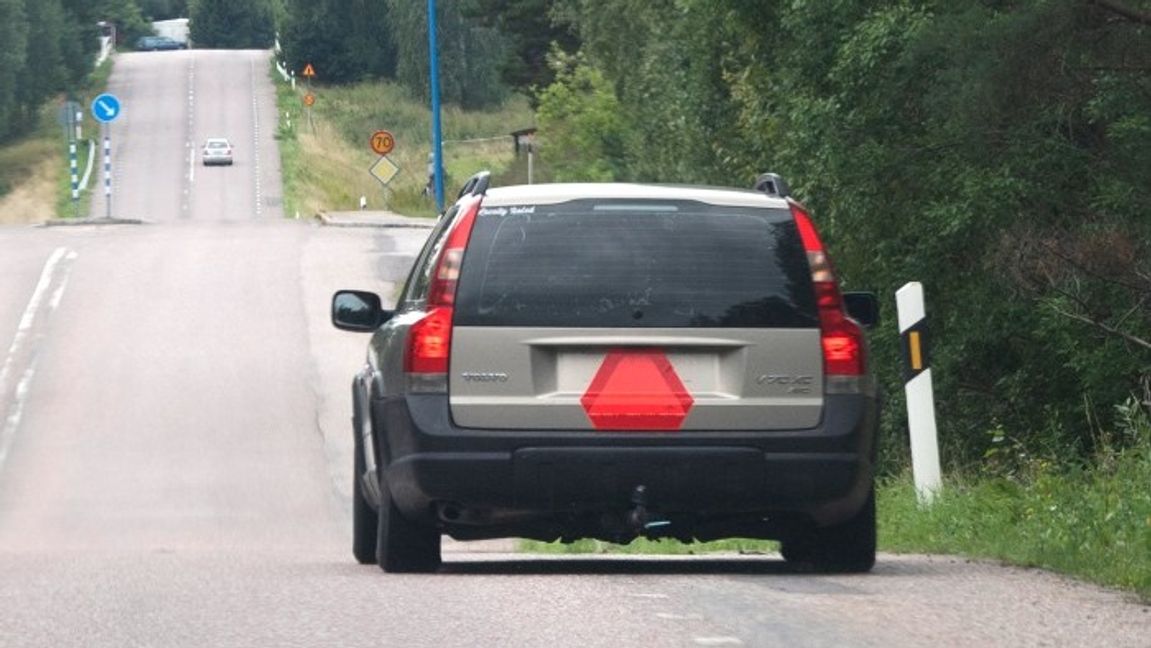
column 616, row 361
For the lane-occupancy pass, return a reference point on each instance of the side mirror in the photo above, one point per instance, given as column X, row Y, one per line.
column 357, row 310
column 862, row 307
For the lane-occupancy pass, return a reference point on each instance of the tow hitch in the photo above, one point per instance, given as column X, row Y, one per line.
column 640, row 519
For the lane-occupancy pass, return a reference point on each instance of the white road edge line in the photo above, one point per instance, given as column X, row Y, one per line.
column 717, row 641
column 12, row 422
column 30, row 313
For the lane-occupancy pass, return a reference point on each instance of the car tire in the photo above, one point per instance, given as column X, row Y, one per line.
column 365, row 519
column 848, row 547
column 404, row 546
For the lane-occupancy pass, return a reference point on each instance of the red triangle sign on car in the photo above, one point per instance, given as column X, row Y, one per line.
column 636, row 389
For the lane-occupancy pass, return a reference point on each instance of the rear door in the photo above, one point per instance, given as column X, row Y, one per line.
column 635, row 314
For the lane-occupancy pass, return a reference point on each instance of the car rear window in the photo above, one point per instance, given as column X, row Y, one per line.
column 635, row 263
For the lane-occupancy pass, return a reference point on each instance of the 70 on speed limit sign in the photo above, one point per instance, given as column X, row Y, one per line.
column 383, row 142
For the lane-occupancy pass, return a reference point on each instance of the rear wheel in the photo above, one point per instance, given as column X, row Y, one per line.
column 404, row 546
column 848, row 547
column 365, row 520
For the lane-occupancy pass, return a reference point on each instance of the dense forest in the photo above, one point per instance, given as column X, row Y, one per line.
column 999, row 151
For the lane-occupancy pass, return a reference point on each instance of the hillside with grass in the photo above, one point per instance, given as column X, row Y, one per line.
column 326, row 155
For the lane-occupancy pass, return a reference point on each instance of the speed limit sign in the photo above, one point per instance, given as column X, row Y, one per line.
column 383, row 142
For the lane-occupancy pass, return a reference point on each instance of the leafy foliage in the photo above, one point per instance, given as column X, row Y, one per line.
column 345, row 41
column 582, row 118
column 164, row 9
column 470, row 54
column 226, row 24
column 997, row 152
column 530, row 32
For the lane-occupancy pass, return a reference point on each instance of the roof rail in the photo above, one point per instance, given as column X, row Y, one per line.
column 476, row 185
column 772, row 184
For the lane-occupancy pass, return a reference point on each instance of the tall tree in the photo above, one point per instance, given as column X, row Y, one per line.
column 47, row 73
column 125, row 14
column 79, row 40
column 344, row 40
column 470, row 54
column 164, row 9
column 13, row 56
column 530, row 29
column 227, row 24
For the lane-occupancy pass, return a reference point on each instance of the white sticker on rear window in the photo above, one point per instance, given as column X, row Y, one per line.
column 504, row 211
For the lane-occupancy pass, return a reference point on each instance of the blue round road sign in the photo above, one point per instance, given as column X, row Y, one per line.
column 106, row 108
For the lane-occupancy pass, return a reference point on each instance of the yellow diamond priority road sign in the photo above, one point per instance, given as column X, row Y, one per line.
column 384, row 170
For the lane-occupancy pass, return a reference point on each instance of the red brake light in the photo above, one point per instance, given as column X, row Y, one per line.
column 430, row 338
column 840, row 337
column 429, row 342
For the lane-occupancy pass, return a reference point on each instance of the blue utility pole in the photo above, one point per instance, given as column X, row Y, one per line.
column 437, row 135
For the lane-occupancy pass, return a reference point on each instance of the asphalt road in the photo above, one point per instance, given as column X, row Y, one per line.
column 174, row 446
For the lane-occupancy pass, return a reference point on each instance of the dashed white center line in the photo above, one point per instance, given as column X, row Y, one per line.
column 717, row 641
column 191, row 141
column 646, row 595
column 671, row 616
column 255, row 135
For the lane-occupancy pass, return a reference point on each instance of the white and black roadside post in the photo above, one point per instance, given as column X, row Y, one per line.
column 74, row 118
column 919, row 391
column 107, row 172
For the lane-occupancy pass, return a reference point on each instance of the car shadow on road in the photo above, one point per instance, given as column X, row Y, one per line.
column 613, row 565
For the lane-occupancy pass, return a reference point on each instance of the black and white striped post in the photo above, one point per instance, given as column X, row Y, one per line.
column 72, row 130
column 75, row 167
column 107, row 174
column 919, row 390
column 106, row 108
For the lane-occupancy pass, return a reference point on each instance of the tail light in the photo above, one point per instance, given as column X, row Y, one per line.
column 844, row 352
column 430, row 338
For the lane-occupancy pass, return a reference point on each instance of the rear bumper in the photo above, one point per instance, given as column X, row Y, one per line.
column 822, row 473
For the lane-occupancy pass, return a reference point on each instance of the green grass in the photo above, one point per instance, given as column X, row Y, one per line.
column 19, row 158
column 1090, row 522
column 1093, row 523
column 326, row 155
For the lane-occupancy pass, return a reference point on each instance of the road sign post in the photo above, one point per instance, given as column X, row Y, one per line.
column 106, row 109
column 437, row 131
column 309, row 98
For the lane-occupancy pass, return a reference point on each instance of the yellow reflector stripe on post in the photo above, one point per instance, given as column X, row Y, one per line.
column 916, row 355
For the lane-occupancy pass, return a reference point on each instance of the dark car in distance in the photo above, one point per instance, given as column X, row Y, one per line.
column 616, row 361
column 158, row 43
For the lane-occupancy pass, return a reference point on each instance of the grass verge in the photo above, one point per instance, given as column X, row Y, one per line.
column 65, row 208
column 326, row 157
column 1091, row 522
column 27, row 174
